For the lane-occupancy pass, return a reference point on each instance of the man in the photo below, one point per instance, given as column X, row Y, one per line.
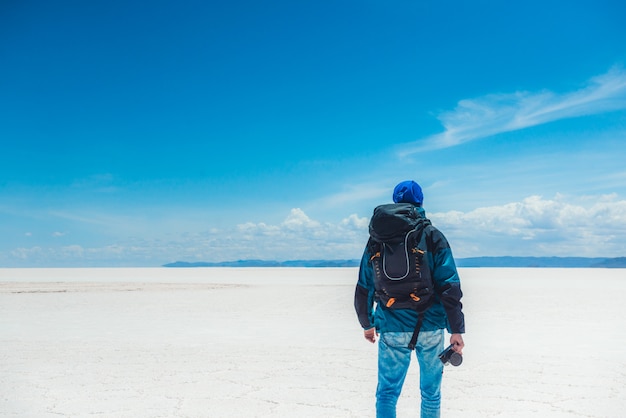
column 397, row 326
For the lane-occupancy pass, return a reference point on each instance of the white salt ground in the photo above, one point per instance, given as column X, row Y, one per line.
column 286, row 343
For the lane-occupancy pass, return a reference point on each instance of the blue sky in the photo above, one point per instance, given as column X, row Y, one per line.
column 140, row 133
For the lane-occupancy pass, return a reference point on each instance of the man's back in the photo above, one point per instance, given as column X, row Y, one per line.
column 403, row 326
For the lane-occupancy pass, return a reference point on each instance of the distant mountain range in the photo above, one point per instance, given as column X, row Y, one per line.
column 573, row 262
column 268, row 263
column 579, row 262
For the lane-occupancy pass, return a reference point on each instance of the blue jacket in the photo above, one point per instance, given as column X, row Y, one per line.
column 446, row 312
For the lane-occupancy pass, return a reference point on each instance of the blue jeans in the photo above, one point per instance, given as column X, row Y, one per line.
column 393, row 363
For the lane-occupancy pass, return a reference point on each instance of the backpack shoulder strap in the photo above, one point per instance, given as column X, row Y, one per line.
column 422, row 237
column 373, row 246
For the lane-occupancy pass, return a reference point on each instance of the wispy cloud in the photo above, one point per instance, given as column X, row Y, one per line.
column 360, row 192
column 100, row 183
column 493, row 114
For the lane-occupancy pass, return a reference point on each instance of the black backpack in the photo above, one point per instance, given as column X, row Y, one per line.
column 398, row 248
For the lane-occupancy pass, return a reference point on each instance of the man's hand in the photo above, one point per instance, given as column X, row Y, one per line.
column 370, row 334
column 457, row 343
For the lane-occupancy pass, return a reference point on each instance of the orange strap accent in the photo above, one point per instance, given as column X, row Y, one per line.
column 390, row 302
column 375, row 255
column 415, row 297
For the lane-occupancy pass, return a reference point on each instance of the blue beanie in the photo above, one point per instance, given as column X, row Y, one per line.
column 408, row 192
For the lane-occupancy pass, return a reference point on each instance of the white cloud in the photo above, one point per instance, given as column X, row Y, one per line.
column 297, row 219
column 355, row 222
column 26, row 253
column 497, row 113
column 588, row 226
column 299, row 237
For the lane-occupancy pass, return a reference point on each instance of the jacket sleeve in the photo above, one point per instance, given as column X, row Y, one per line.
column 364, row 293
column 447, row 282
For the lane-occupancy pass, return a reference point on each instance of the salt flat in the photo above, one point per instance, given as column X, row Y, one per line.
column 263, row 342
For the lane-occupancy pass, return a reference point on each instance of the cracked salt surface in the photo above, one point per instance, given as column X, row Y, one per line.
column 286, row 343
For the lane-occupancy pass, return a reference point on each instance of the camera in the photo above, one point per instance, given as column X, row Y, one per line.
column 449, row 356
